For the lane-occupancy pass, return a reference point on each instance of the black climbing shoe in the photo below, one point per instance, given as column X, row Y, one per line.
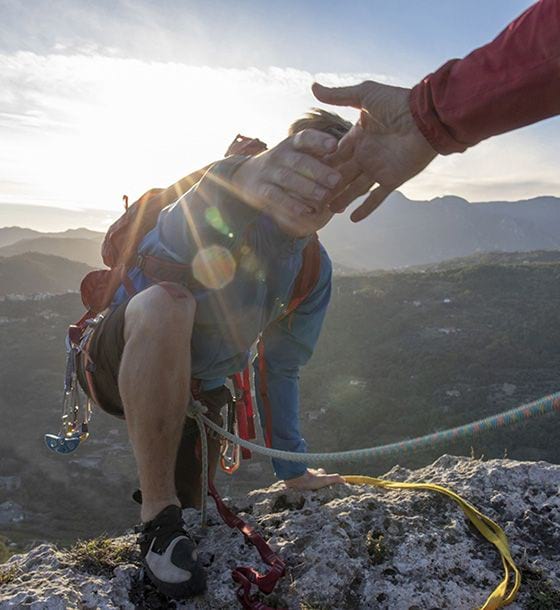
column 169, row 555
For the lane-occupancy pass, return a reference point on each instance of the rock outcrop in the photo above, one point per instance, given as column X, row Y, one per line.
column 346, row 547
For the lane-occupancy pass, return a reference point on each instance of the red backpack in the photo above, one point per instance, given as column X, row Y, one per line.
column 119, row 249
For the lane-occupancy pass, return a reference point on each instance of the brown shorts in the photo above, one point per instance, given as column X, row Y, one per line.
column 105, row 350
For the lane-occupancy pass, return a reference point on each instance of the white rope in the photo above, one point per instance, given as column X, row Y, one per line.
column 196, row 410
column 542, row 406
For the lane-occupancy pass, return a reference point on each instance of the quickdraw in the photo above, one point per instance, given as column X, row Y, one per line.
column 244, row 410
column 240, row 420
column 230, row 452
column 76, row 410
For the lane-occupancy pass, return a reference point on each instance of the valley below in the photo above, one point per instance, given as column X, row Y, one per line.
column 402, row 354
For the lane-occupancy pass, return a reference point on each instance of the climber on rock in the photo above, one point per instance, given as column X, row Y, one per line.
column 234, row 259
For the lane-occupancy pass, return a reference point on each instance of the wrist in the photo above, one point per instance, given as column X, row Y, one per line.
column 426, row 123
column 242, row 177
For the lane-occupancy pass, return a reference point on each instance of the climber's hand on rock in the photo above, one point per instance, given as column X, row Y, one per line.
column 313, row 479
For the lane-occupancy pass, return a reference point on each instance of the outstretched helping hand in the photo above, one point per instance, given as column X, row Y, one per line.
column 384, row 147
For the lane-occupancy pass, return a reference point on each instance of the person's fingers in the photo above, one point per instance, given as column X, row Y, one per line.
column 313, row 480
column 355, row 189
column 317, row 470
column 314, row 142
column 328, row 479
column 311, row 168
column 300, row 186
column 279, row 202
column 346, row 147
column 349, row 171
column 339, row 96
column 375, row 199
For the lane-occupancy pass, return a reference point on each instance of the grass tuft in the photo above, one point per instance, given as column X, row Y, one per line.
column 8, row 574
column 542, row 594
column 100, row 556
column 376, row 547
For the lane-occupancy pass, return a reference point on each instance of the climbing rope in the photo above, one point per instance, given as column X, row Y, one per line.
column 500, row 597
column 542, row 406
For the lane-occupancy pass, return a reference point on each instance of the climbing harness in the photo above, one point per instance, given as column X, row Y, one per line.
column 244, row 411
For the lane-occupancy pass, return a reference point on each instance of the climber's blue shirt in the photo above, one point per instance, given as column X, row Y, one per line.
column 250, row 266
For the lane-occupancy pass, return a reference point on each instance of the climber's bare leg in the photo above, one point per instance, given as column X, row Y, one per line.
column 154, row 384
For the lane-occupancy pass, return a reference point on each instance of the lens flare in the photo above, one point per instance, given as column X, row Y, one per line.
column 215, row 220
column 214, row 267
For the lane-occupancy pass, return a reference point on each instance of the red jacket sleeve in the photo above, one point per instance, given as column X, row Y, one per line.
column 511, row 82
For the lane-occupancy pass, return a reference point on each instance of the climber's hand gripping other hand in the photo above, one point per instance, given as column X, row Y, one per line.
column 290, row 181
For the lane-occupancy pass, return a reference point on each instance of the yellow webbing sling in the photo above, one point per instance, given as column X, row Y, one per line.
column 490, row 530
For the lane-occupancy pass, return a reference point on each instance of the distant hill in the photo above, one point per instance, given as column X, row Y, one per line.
column 496, row 258
column 405, row 232
column 402, row 233
column 339, row 269
column 80, row 249
column 33, row 273
column 11, row 235
column 51, row 218
column 80, row 233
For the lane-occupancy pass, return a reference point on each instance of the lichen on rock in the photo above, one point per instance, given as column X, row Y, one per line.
column 345, row 547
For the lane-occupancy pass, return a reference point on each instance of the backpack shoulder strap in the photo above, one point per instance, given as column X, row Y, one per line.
column 304, row 285
column 308, row 275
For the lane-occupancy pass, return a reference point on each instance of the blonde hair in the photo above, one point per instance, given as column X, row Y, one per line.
column 323, row 120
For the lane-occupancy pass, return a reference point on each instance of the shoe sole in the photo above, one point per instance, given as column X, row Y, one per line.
column 195, row 586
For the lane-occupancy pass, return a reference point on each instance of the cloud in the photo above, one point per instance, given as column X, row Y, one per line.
column 86, row 127
column 81, row 129
column 513, row 166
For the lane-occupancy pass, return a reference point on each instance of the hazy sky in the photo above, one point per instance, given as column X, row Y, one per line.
column 103, row 98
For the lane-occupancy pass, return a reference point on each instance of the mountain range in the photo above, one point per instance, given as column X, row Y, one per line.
column 32, row 262
column 51, row 218
column 79, row 249
column 12, row 235
column 402, row 233
column 36, row 273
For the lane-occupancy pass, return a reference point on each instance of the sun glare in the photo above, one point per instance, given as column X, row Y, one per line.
column 107, row 126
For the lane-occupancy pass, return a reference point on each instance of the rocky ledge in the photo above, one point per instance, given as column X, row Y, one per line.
column 345, row 547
